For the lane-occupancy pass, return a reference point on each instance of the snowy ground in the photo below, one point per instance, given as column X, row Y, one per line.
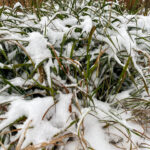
column 60, row 119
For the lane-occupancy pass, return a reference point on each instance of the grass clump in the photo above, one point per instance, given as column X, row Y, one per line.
column 91, row 50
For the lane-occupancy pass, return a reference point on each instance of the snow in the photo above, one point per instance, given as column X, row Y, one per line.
column 44, row 130
column 4, row 98
column 62, row 114
column 47, row 70
column 86, row 24
column 72, row 146
column 17, row 5
column 94, row 134
column 55, row 36
column 34, row 110
column 49, row 117
column 37, row 48
column 121, row 95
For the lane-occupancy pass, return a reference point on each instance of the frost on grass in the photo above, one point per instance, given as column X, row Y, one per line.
column 58, row 63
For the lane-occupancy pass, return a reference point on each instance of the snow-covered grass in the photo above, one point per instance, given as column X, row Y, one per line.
column 74, row 75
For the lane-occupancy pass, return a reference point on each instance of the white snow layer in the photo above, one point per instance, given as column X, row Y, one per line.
column 35, row 110
column 41, row 129
column 37, row 48
column 95, row 135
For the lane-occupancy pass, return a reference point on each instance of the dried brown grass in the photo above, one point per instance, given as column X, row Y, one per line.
column 134, row 4
column 129, row 4
column 25, row 3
